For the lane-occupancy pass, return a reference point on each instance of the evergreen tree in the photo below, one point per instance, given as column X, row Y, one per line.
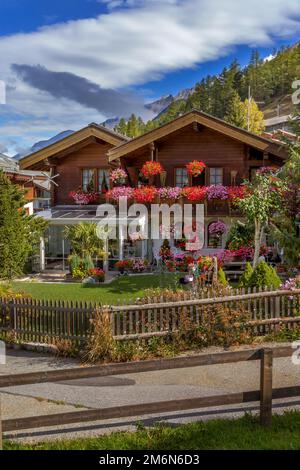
column 19, row 233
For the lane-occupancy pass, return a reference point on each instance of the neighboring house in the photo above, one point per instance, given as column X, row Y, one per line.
column 84, row 159
column 35, row 183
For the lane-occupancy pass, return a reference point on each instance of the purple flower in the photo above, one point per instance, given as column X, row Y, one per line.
column 217, row 228
column 217, row 192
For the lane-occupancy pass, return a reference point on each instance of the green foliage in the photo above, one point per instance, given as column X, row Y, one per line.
column 264, row 276
column 240, row 234
column 84, row 240
column 19, row 233
column 74, row 262
column 222, row 277
column 245, row 278
column 225, row 95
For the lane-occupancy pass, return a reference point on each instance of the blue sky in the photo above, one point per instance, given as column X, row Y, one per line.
column 69, row 62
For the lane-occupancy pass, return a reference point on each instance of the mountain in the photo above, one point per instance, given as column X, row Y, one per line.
column 43, row 143
column 8, row 162
column 156, row 107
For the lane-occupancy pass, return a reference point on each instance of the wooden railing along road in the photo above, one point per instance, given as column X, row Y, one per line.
column 264, row 395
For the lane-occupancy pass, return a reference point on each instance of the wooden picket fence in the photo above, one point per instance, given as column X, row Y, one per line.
column 30, row 320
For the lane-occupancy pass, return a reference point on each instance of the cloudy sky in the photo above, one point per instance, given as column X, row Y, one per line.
column 70, row 62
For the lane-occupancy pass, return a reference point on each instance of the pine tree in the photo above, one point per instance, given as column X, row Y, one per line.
column 235, row 113
column 19, row 232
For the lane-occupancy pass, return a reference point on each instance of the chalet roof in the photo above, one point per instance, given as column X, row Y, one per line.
column 206, row 120
column 93, row 130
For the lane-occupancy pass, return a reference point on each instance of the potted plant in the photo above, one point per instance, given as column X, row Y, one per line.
column 118, row 177
column 123, row 265
column 120, row 192
column 81, row 197
column 150, row 169
column 195, row 168
column 97, row 274
column 217, row 229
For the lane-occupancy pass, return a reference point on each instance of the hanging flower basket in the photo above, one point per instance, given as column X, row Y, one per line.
column 118, row 176
column 195, row 168
column 151, row 168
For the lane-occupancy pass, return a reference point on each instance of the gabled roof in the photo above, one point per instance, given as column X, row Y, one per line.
column 91, row 131
column 206, row 120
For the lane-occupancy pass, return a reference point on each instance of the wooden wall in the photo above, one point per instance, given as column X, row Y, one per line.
column 214, row 149
column 69, row 168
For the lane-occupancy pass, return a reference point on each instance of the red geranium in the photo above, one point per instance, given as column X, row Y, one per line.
column 195, row 168
column 151, row 168
column 236, row 192
column 145, row 194
column 195, row 193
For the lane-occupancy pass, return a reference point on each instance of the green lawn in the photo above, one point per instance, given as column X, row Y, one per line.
column 127, row 287
column 241, row 434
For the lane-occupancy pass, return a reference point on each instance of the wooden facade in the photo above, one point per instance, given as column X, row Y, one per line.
column 226, row 150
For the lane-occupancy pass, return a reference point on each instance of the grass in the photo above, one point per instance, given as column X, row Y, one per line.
column 241, row 434
column 124, row 288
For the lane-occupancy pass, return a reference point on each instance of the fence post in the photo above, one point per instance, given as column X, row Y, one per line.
column 266, row 372
column 1, row 442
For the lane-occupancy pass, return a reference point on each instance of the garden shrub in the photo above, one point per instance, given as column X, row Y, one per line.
column 74, row 262
column 264, row 276
column 222, row 279
column 244, row 280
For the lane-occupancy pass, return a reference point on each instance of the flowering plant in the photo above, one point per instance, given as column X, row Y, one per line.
column 236, row 192
column 118, row 175
column 195, row 193
column 151, row 168
column 136, row 236
column 217, row 228
column 291, row 284
column 145, row 194
column 266, row 170
column 169, row 193
column 97, row 274
column 195, row 168
column 217, row 191
column 124, row 264
column 120, row 192
column 139, row 265
column 205, row 263
column 82, row 197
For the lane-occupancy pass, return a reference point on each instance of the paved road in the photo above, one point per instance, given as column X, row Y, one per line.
column 131, row 389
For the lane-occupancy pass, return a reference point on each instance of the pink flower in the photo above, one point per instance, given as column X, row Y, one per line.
column 120, row 192
column 217, row 228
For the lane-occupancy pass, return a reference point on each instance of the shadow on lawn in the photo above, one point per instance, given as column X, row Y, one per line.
column 132, row 285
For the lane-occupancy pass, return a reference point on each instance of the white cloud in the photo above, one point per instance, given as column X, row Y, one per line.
column 135, row 42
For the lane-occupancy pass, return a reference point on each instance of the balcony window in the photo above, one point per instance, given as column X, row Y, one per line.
column 181, row 177
column 103, row 180
column 215, row 176
column 88, row 179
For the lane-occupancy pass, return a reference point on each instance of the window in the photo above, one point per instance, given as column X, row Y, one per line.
column 103, row 181
column 216, row 176
column 181, row 177
column 95, row 179
column 88, row 179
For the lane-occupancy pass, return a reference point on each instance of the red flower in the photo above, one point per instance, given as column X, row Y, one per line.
column 195, row 168
column 151, row 168
column 145, row 194
column 195, row 193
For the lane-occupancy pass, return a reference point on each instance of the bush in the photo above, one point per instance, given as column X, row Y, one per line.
column 87, row 263
column 246, row 276
column 264, row 276
column 222, row 277
column 74, row 262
